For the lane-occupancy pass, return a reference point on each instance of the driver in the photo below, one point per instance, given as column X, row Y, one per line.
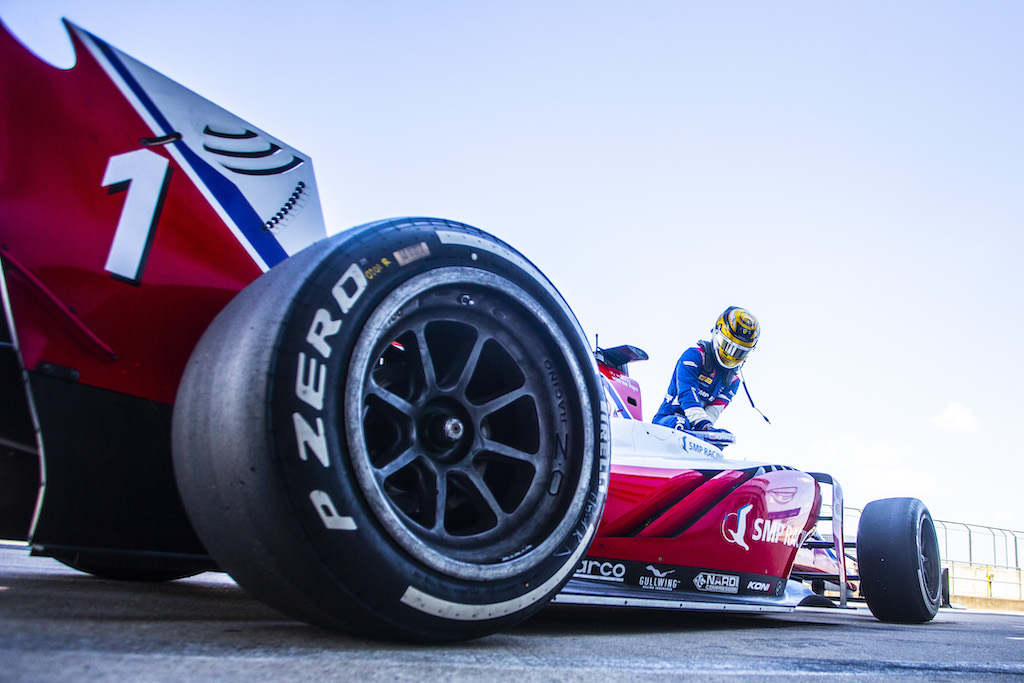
column 706, row 376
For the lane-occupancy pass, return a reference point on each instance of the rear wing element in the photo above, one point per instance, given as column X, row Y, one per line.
column 623, row 392
column 262, row 188
column 131, row 211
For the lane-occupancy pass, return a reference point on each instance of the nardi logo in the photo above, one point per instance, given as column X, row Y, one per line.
column 717, row 583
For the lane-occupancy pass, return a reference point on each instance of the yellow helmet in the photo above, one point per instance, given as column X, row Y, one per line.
column 734, row 336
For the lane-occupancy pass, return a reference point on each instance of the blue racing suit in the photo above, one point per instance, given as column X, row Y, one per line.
column 698, row 392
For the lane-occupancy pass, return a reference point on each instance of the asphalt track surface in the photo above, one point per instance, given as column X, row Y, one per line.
column 59, row 624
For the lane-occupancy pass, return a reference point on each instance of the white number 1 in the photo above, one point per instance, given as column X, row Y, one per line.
column 146, row 173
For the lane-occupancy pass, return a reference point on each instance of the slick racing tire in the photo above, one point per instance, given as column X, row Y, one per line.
column 397, row 432
column 898, row 561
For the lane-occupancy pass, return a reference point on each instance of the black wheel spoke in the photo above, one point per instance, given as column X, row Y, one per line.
column 403, row 459
column 508, row 451
column 471, row 365
column 440, row 503
column 426, row 362
column 496, row 404
column 488, row 497
column 393, row 400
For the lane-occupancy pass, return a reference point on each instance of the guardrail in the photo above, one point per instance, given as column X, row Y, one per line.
column 983, row 561
column 980, row 545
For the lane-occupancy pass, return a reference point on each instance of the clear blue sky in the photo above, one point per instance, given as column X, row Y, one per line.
column 851, row 172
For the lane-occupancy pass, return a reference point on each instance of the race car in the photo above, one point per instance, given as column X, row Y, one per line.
column 685, row 528
column 399, row 430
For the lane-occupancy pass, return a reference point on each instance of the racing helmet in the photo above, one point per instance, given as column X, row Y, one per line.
column 734, row 336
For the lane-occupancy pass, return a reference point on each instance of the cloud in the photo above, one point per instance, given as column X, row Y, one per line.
column 956, row 418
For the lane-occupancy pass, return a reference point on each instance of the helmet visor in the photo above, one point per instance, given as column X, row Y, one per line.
column 730, row 353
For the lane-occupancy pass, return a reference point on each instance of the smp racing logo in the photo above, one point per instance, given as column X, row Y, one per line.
column 763, row 530
column 734, row 526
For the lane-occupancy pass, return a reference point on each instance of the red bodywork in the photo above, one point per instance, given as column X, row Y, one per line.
column 678, row 524
column 132, row 211
column 675, row 517
column 624, row 392
column 59, row 135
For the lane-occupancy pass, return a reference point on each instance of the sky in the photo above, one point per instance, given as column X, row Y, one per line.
column 852, row 173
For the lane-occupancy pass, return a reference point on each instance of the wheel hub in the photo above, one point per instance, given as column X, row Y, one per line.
column 443, row 427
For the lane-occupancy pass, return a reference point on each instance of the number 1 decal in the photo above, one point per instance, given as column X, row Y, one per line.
column 145, row 174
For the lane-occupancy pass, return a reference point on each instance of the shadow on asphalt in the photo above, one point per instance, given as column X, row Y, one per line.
column 564, row 620
column 214, row 610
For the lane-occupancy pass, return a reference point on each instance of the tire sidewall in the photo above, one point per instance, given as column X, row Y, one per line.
column 366, row 561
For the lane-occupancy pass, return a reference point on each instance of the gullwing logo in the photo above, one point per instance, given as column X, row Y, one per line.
column 736, row 532
column 658, row 573
column 659, row 580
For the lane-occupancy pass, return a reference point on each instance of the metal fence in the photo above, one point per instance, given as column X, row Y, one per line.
column 983, row 561
column 980, row 545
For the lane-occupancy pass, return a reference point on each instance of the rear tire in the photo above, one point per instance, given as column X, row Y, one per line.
column 397, row 432
column 898, row 561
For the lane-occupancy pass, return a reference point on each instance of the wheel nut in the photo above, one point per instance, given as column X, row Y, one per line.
column 453, row 429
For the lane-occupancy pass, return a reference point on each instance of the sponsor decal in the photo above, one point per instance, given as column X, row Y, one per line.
column 311, row 384
column 659, row 573
column 658, row 580
column 762, row 530
column 734, row 526
column 247, row 152
column 707, row 582
column 699, row 448
column 777, row 531
column 601, row 570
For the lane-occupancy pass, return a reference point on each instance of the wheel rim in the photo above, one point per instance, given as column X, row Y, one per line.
column 929, row 561
column 468, row 423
